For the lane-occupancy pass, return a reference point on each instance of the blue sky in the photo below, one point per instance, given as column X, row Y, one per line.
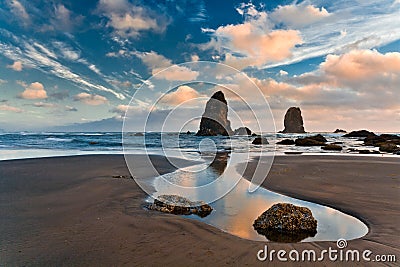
column 65, row 62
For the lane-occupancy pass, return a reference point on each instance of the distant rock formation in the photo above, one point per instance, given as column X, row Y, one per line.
column 260, row 141
column 284, row 222
column 215, row 117
column 316, row 140
column 293, row 121
column 286, row 142
column 332, row 147
column 339, row 131
column 360, row 133
column 242, row 131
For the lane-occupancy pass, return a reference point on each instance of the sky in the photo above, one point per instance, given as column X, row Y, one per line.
column 67, row 62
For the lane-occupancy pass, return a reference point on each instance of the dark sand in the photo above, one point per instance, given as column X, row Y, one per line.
column 68, row 211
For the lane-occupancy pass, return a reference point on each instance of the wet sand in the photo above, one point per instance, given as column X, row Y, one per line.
column 69, row 211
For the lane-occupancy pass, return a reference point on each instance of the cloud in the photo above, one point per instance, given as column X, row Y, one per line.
column 296, row 16
column 283, row 73
column 362, row 65
column 164, row 69
column 64, row 19
column 70, row 109
column 95, row 69
column 176, row 73
column 44, row 105
column 59, row 95
column 120, row 110
column 19, row 11
column 93, row 100
column 34, row 91
column 252, row 43
column 66, row 51
column 121, row 84
column 182, row 94
column 129, row 20
column 343, row 88
column 42, row 58
column 154, row 60
column 17, row 66
column 6, row 107
column 2, row 81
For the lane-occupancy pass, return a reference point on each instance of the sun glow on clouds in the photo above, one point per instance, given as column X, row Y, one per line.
column 252, row 43
column 183, row 94
column 34, row 91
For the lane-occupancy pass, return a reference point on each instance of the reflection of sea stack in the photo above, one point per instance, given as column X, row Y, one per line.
column 215, row 118
column 293, row 121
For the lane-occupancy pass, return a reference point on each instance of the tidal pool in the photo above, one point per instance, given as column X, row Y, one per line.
column 236, row 211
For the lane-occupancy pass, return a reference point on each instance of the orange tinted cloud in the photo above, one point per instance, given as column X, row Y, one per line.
column 34, row 91
column 182, row 94
column 362, row 64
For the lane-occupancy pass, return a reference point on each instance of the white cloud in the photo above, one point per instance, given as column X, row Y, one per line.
column 19, row 10
column 44, row 105
column 129, row 20
column 297, row 16
column 175, row 73
column 93, row 100
column 64, row 19
column 164, row 69
column 17, row 66
column 120, row 110
column 71, row 109
column 40, row 57
column 95, row 69
column 45, row 50
column 66, row 51
column 283, row 73
column 34, row 91
column 2, row 81
column 10, row 108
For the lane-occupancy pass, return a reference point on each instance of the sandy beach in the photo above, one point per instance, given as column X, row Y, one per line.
column 69, row 211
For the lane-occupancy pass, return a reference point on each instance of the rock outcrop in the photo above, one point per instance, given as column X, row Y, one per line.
column 215, row 117
column 284, row 222
column 332, row 147
column 374, row 140
column 260, row 141
column 180, row 205
column 286, row 142
column 339, row 131
column 360, row 133
column 242, row 131
column 316, row 140
column 293, row 121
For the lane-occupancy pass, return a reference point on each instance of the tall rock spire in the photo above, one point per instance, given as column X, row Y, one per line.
column 215, row 117
column 293, row 121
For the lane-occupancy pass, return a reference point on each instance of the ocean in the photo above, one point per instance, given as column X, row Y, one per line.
column 43, row 144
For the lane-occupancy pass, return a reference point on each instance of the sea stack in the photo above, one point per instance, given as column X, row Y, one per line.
column 293, row 121
column 215, row 117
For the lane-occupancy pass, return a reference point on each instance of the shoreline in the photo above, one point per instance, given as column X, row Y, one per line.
column 69, row 211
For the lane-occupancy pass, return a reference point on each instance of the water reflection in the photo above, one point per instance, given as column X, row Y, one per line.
column 237, row 210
